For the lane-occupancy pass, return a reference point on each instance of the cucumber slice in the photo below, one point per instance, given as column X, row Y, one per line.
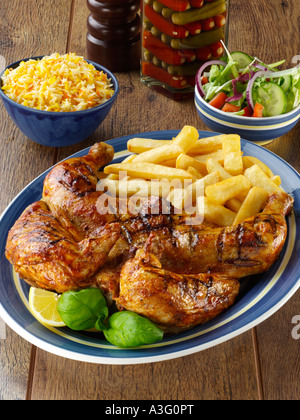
column 286, row 82
column 242, row 60
column 273, row 98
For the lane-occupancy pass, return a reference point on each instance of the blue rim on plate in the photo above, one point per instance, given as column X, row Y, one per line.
column 260, row 296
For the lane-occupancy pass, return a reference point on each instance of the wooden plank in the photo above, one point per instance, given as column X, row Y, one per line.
column 28, row 28
column 279, row 353
column 217, row 373
column 272, row 31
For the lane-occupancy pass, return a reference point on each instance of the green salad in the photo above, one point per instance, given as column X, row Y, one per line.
column 245, row 86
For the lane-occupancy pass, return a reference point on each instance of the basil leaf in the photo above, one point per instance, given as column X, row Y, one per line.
column 128, row 329
column 100, row 324
column 81, row 309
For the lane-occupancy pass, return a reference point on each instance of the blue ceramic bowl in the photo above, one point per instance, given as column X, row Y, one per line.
column 258, row 130
column 58, row 129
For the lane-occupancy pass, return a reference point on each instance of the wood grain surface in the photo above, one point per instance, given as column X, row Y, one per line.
column 260, row 364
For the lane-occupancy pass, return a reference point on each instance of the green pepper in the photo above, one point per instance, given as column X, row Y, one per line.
column 188, row 69
column 81, row 310
column 199, row 41
column 128, row 329
column 209, row 10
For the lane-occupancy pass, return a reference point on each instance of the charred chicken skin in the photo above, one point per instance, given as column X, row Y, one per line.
column 147, row 261
column 248, row 248
column 46, row 255
column 173, row 301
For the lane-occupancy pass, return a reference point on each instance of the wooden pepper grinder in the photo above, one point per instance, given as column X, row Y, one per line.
column 113, row 38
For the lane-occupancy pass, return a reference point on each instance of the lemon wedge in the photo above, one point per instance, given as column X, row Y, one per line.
column 43, row 305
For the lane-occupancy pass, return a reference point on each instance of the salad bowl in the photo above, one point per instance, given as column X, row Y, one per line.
column 241, row 94
column 258, row 130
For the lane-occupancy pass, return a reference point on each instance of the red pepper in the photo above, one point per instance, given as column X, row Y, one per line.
column 196, row 3
column 164, row 25
column 220, row 21
column 204, row 53
column 157, row 73
column 177, row 5
column 247, row 112
column 216, row 49
column 188, row 55
column 204, row 80
column 219, row 100
column 194, row 28
column 230, row 108
column 258, row 110
column 208, row 24
column 162, row 51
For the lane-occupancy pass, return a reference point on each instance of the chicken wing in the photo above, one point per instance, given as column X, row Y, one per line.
column 175, row 302
column 46, row 255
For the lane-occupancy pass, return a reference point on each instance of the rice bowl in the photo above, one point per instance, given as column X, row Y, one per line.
column 57, row 83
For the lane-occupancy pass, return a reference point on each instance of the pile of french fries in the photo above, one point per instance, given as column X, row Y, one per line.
column 235, row 187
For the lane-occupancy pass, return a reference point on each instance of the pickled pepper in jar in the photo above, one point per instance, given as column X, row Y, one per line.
column 178, row 36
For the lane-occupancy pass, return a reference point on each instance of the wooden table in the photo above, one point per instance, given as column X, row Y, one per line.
column 262, row 363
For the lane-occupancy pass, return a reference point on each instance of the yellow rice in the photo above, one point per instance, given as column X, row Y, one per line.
column 59, row 83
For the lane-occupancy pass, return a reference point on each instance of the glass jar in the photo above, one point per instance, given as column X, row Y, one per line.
column 178, row 36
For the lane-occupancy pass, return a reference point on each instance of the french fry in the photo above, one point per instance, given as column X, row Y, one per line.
column 113, row 176
column 171, row 163
column 258, row 178
column 233, row 204
column 212, row 166
column 148, row 171
column 180, row 198
column 186, row 138
column 249, row 161
column 233, row 162
column 139, row 187
column 197, row 188
column 183, row 162
column 140, row 145
column 218, row 156
column 214, row 213
column 193, row 171
column 229, row 188
column 252, row 204
column 276, row 179
column 129, row 158
column 159, row 154
column 206, row 145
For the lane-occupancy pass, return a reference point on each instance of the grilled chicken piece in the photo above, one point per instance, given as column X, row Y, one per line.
column 70, row 192
column 173, row 301
column 46, row 255
column 250, row 247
